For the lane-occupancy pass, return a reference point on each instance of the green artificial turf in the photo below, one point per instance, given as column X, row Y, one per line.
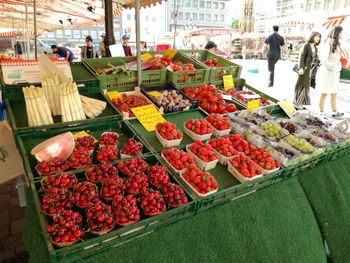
column 275, row 224
column 328, row 190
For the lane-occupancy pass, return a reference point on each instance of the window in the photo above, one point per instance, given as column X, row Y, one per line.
column 317, row 5
column 222, row 5
column 308, row 5
column 68, row 33
column 208, row 17
column 171, row 2
column 93, row 34
column 154, row 19
column 147, row 18
column 215, row 18
column 51, row 34
column 59, row 33
column 76, row 33
column 187, row 3
column 187, row 16
column 202, row 4
column 208, row 4
column 194, row 16
column 180, row 16
column 215, row 5
column 201, row 17
column 128, row 17
column 222, row 18
column 179, row 2
column 172, row 15
column 347, row 3
column 195, row 3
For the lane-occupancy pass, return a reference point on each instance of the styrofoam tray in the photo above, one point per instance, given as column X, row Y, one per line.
column 219, row 133
column 239, row 176
column 176, row 171
column 205, row 166
column 197, row 137
column 194, row 190
column 167, row 143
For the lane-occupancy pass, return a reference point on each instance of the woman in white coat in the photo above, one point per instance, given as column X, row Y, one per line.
column 328, row 75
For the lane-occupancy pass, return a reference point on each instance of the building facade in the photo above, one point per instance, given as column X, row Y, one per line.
column 193, row 14
column 326, row 5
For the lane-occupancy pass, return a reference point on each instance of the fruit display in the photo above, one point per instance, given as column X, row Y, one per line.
column 223, row 148
column 80, row 159
column 100, row 218
column 137, row 184
column 273, row 129
column 285, row 153
column 168, row 134
column 99, row 173
column 300, row 144
column 203, row 155
column 210, row 99
column 86, row 142
column 57, row 201
column 125, row 102
column 290, row 126
column 198, row 129
column 106, row 154
column 152, row 203
column 327, row 136
column 221, row 125
column 240, row 144
column 177, row 159
column 85, row 194
column 112, row 187
column 126, row 211
column 170, row 100
column 52, row 167
column 174, row 195
column 264, row 159
column 109, row 139
column 66, row 228
column 59, row 181
column 203, row 183
column 247, row 96
column 212, row 63
column 243, row 168
column 133, row 167
column 158, row 176
column 178, row 66
column 131, row 148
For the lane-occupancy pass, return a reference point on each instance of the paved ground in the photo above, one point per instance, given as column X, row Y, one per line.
column 285, row 79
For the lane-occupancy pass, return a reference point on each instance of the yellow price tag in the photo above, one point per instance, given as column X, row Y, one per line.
column 287, row 107
column 155, row 93
column 145, row 57
column 228, row 82
column 254, row 104
column 113, row 95
column 148, row 116
column 81, row 134
column 170, row 53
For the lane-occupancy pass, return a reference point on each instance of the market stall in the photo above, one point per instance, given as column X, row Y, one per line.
column 104, row 152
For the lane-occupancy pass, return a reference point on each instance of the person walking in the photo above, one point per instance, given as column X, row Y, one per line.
column 102, row 46
column 126, row 47
column 63, row 52
column 328, row 75
column 18, row 49
column 89, row 50
column 307, row 56
column 274, row 43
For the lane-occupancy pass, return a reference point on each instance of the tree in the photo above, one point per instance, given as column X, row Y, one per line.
column 235, row 23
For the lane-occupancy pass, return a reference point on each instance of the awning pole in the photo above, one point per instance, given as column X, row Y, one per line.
column 109, row 38
column 27, row 31
column 138, row 49
column 35, row 31
column 175, row 18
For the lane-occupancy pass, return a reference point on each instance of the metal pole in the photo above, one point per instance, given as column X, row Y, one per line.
column 175, row 18
column 138, row 49
column 35, row 31
column 109, row 38
column 27, row 32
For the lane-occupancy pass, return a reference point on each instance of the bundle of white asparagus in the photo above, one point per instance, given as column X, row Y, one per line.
column 71, row 105
column 51, row 88
column 38, row 111
column 92, row 107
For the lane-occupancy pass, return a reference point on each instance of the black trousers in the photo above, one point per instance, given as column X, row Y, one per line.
column 271, row 62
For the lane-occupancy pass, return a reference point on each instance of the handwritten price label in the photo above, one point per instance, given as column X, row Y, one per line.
column 155, row 93
column 170, row 53
column 81, row 134
column 113, row 95
column 287, row 107
column 145, row 57
column 228, row 82
column 148, row 116
column 254, row 104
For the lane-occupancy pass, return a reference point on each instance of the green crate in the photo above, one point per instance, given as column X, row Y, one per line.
column 83, row 76
column 119, row 236
column 122, row 80
column 27, row 141
column 200, row 75
column 216, row 74
column 17, row 115
column 342, row 150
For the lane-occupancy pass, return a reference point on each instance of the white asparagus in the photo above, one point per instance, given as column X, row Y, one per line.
column 91, row 109
column 32, row 100
column 28, row 108
column 39, row 103
column 93, row 101
column 67, row 104
column 46, row 108
column 46, row 91
column 56, row 97
column 70, row 105
column 78, row 102
column 88, row 112
column 63, row 112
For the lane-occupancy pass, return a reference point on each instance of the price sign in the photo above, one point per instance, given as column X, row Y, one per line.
column 81, row 134
column 170, row 53
column 228, row 82
column 148, row 116
column 287, row 107
column 254, row 104
column 145, row 57
column 113, row 95
column 155, row 93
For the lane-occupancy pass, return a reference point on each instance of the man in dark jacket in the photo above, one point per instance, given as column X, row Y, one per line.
column 274, row 43
column 89, row 50
column 63, row 53
column 18, row 49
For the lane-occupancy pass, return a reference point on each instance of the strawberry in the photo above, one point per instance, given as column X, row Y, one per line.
column 168, row 131
column 198, row 126
column 179, row 160
column 203, row 151
column 245, row 166
column 219, row 122
column 202, row 182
